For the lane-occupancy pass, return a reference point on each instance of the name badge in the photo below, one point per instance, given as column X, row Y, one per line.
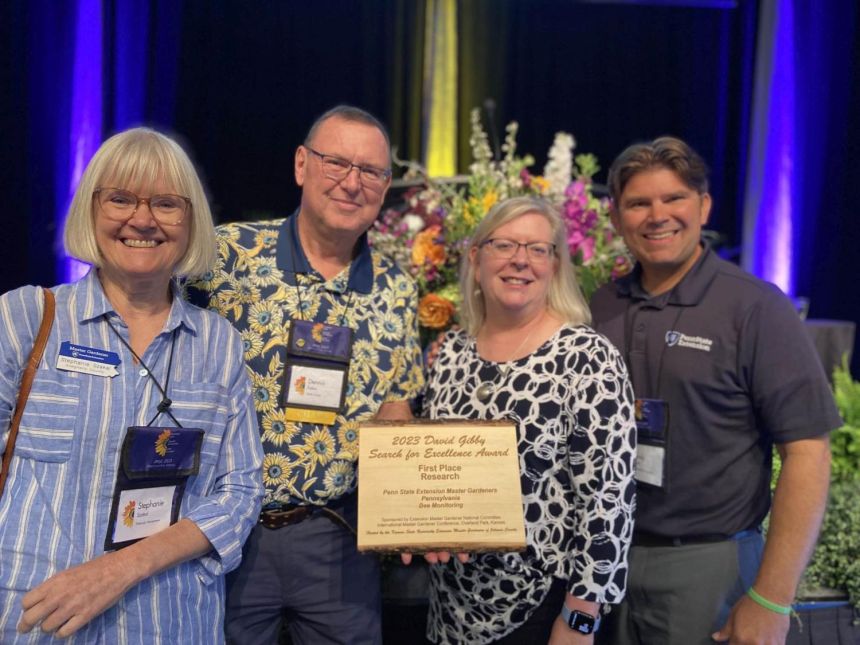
column 145, row 511
column 155, row 464
column 150, row 452
column 316, row 372
column 318, row 340
column 87, row 360
column 652, row 426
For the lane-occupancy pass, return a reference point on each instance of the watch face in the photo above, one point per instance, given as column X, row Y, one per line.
column 580, row 622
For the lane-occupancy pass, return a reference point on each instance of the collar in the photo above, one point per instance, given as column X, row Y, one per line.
column 689, row 291
column 291, row 257
column 91, row 303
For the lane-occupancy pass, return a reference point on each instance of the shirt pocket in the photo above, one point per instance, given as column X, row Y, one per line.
column 204, row 406
column 47, row 429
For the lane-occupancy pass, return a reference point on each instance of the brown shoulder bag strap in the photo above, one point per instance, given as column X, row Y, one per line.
column 26, row 382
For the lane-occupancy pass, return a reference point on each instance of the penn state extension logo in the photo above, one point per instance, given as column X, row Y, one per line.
column 677, row 339
column 161, row 443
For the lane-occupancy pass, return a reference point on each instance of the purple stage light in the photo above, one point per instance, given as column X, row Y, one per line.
column 86, row 112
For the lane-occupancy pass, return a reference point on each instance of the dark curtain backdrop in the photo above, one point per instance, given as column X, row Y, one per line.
column 252, row 80
column 612, row 75
column 254, row 77
column 241, row 81
column 829, row 150
column 35, row 66
column 141, row 63
column 13, row 146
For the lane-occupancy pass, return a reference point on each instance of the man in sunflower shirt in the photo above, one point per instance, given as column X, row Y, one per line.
column 330, row 340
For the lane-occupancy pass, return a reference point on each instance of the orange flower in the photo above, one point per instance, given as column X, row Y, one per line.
column 541, row 184
column 435, row 312
column 425, row 248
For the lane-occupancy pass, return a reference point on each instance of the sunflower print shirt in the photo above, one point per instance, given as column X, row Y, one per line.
column 262, row 280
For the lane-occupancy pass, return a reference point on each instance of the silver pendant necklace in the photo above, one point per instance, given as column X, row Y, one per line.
column 487, row 388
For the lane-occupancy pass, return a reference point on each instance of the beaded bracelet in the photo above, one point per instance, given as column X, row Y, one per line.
column 767, row 604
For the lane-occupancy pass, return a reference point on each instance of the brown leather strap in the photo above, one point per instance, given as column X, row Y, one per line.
column 337, row 518
column 27, row 382
column 276, row 519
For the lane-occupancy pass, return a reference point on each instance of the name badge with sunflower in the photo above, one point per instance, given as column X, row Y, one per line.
column 316, row 372
column 154, row 467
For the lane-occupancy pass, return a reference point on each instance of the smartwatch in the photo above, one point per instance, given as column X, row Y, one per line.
column 579, row 621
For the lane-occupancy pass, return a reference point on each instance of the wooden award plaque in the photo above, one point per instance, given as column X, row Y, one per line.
column 439, row 486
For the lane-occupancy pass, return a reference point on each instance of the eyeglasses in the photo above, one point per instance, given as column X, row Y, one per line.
column 338, row 168
column 503, row 249
column 119, row 204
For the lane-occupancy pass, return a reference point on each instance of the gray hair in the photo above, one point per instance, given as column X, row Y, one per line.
column 135, row 159
column 352, row 114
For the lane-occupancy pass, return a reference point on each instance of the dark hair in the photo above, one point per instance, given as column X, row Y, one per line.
column 664, row 152
column 348, row 113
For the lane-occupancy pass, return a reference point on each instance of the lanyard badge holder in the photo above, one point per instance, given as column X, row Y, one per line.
column 316, row 374
column 652, row 438
column 155, row 465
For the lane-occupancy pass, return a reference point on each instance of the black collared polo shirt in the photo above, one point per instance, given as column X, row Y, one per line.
column 730, row 356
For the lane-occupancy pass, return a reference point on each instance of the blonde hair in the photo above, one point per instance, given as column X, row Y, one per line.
column 564, row 297
column 135, row 159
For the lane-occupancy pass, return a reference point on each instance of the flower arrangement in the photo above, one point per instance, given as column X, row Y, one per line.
column 429, row 233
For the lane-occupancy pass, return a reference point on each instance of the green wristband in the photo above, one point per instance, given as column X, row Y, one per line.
column 767, row 604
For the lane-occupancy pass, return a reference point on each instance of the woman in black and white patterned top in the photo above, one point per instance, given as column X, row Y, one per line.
column 527, row 353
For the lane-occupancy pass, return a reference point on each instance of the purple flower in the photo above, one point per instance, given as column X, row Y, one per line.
column 435, row 217
column 581, row 244
column 622, row 267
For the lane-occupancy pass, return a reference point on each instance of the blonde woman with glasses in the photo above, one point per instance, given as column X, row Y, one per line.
column 526, row 353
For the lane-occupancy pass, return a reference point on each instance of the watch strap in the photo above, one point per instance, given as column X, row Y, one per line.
column 580, row 621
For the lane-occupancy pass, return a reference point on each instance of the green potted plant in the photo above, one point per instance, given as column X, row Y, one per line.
column 828, row 602
column 836, row 561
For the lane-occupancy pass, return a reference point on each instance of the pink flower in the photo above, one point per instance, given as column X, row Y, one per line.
column 526, row 178
column 587, row 249
column 575, row 190
column 622, row 267
column 582, row 245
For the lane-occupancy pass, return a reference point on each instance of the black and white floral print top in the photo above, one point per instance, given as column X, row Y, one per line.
column 573, row 405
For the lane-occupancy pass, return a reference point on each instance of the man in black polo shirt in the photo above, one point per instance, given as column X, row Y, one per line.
column 722, row 370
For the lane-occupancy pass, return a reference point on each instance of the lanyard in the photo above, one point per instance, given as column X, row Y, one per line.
column 342, row 317
column 628, row 337
column 165, row 403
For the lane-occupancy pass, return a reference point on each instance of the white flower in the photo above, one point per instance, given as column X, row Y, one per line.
column 414, row 223
column 559, row 167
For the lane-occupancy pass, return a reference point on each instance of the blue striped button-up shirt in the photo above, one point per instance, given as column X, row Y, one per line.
column 54, row 511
